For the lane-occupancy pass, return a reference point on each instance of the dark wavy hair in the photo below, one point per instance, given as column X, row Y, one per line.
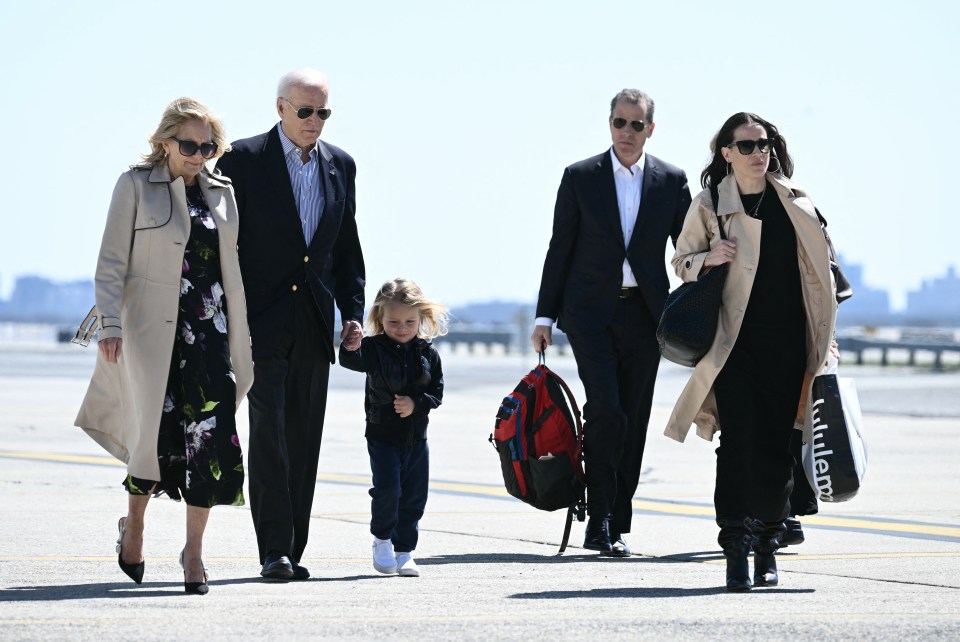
column 714, row 172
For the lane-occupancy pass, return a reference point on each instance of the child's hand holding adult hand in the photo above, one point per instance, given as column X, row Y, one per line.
column 351, row 335
column 403, row 405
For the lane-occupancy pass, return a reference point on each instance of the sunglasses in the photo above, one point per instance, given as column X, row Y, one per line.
column 304, row 113
column 620, row 123
column 189, row 148
column 746, row 146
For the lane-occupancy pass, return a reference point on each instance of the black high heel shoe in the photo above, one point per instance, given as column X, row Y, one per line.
column 134, row 571
column 194, row 588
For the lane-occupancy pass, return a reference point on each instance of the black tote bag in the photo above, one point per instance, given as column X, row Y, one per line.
column 688, row 324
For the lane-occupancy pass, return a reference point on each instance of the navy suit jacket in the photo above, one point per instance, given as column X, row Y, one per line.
column 275, row 261
column 583, row 271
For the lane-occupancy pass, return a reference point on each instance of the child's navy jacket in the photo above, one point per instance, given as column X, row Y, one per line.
column 412, row 369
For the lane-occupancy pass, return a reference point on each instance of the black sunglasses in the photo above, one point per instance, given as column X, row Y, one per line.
column 746, row 146
column 304, row 113
column 189, row 148
column 637, row 125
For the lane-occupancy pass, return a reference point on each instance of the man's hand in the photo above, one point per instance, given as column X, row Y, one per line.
column 351, row 335
column 403, row 405
column 542, row 337
column 111, row 348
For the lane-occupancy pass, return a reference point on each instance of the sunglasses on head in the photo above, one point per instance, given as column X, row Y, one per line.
column 746, row 146
column 189, row 148
column 304, row 113
column 620, row 123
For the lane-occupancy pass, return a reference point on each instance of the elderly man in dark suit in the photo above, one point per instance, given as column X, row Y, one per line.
column 604, row 283
column 299, row 254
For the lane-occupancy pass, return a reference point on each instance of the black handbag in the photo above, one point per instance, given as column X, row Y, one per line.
column 688, row 324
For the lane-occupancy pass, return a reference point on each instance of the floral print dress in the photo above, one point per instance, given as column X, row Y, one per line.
column 198, row 447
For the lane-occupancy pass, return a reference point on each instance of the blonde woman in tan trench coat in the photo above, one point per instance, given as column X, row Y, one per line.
column 775, row 330
column 174, row 358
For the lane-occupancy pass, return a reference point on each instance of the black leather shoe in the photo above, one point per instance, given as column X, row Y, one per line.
column 738, row 564
column 618, row 547
column 765, row 569
column 765, row 562
column 597, row 536
column 277, row 567
column 300, row 572
column 133, row 571
column 794, row 534
column 194, row 588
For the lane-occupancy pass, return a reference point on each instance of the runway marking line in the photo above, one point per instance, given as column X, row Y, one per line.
column 662, row 507
column 364, row 560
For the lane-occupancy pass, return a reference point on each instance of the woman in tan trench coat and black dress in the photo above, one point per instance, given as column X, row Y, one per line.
column 775, row 330
column 174, row 351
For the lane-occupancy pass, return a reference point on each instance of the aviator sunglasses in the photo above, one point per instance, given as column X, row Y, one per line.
column 189, row 148
column 637, row 125
column 746, row 146
column 304, row 113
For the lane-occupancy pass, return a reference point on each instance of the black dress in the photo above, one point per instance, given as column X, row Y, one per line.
column 758, row 389
column 198, row 448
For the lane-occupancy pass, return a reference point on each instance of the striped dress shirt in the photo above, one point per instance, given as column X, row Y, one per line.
column 305, row 180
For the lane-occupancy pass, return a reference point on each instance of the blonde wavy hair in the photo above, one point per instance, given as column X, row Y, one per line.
column 176, row 114
column 434, row 316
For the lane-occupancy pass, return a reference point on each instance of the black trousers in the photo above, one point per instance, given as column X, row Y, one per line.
column 618, row 368
column 757, row 394
column 401, row 477
column 287, row 402
column 803, row 501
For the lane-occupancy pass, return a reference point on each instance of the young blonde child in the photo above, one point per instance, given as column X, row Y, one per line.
column 404, row 383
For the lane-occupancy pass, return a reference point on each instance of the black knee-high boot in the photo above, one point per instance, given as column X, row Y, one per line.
column 766, row 541
column 735, row 540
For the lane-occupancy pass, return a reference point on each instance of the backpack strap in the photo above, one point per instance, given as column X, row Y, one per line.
column 579, row 507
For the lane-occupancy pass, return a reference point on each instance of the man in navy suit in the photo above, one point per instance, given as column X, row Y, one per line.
column 604, row 283
column 299, row 255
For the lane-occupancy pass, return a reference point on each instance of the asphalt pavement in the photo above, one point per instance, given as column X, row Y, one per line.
column 883, row 566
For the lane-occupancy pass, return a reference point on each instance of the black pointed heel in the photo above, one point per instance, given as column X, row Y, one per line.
column 133, row 571
column 194, row 588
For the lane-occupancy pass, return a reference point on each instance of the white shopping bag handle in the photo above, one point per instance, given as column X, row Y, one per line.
column 832, row 363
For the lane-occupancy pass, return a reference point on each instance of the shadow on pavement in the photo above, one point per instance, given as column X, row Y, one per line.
column 527, row 558
column 97, row 591
column 641, row 591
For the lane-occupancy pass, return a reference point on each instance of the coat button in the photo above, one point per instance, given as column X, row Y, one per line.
column 152, row 221
column 294, row 288
column 306, row 259
column 688, row 264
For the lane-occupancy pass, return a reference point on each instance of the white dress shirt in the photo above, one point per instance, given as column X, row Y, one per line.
column 305, row 180
column 629, row 182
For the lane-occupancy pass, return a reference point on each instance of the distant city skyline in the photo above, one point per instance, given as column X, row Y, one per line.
column 936, row 301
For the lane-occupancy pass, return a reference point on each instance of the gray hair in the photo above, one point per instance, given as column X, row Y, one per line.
column 300, row 77
column 635, row 97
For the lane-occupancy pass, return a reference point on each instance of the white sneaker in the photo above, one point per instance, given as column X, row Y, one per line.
column 406, row 567
column 383, row 557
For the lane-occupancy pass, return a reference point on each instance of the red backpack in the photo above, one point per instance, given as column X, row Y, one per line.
column 540, row 444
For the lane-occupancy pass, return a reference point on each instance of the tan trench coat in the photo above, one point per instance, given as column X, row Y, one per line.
column 137, row 297
column 697, row 403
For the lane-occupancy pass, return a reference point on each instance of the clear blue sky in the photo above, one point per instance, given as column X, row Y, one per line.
column 462, row 116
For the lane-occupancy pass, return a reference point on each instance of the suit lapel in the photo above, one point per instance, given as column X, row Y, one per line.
column 652, row 177
column 607, row 190
column 276, row 170
column 329, row 221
